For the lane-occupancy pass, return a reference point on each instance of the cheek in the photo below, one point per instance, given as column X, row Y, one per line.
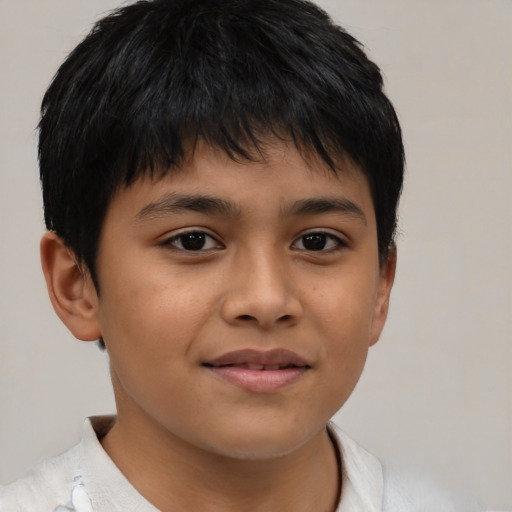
column 153, row 318
column 343, row 308
column 343, row 318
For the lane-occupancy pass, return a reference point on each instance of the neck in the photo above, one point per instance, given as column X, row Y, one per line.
column 179, row 476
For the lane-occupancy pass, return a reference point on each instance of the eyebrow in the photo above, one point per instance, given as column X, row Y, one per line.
column 315, row 206
column 179, row 203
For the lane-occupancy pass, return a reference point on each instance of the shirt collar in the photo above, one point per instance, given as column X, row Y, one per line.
column 361, row 476
column 361, row 473
column 107, row 487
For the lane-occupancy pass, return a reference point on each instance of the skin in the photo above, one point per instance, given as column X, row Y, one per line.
column 164, row 311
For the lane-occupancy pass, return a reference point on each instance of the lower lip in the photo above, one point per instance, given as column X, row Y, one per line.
column 259, row 381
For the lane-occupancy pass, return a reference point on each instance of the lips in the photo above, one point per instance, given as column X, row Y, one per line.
column 255, row 366
column 259, row 371
column 260, row 360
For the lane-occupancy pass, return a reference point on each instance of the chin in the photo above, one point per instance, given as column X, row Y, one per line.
column 263, row 442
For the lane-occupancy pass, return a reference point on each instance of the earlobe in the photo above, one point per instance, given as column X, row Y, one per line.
column 387, row 277
column 71, row 290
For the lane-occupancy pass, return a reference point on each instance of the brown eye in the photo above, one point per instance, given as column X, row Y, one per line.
column 193, row 241
column 318, row 241
column 314, row 242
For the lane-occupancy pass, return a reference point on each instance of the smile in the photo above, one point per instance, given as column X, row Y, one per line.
column 266, row 367
column 259, row 372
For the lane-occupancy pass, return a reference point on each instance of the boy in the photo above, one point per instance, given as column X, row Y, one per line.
column 220, row 181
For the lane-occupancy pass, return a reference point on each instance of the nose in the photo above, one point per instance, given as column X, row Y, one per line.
column 261, row 293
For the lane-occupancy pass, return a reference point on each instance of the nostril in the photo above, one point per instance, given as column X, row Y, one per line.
column 281, row 319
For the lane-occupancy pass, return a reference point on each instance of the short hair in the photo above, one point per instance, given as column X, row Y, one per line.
column 154, row 77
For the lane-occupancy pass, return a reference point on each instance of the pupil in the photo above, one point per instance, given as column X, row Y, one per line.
column 193, row 241
column 314, row 242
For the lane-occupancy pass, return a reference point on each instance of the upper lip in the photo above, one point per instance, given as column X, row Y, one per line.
column 275, row 357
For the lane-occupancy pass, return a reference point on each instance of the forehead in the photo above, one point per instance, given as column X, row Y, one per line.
column 282, row 180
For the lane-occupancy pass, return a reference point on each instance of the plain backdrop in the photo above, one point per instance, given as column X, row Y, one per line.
column 437, row 389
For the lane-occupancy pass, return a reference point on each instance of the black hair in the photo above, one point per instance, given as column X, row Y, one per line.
column 154, row 77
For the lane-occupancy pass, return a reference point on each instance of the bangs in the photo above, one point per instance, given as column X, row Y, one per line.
column 154, row 78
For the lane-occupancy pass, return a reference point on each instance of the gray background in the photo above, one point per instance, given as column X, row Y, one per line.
column 437, row 390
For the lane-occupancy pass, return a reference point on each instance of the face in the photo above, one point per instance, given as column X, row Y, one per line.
column 238, row 301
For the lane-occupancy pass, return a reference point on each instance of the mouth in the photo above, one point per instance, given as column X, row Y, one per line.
column 257, row 371
column 255, row 366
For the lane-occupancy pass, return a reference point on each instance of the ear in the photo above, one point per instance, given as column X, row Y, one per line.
column 380, row 313
column 71, row 290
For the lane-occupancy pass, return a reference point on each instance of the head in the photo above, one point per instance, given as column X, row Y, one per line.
column 221, row 180
column 154, row 78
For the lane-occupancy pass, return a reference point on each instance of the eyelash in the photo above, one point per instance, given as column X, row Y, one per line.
column 176, row 238
column 336, row 242
column 333, row 242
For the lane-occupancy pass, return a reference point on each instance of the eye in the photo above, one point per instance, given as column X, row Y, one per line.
column 193, row 241
column 318, row 241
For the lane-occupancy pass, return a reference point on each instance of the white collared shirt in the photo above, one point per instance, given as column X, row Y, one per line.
column 85, row 479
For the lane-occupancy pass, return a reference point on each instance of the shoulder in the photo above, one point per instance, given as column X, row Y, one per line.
column 370, row 485
column 44, row 488
column 54, row 485
column 414, row 490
